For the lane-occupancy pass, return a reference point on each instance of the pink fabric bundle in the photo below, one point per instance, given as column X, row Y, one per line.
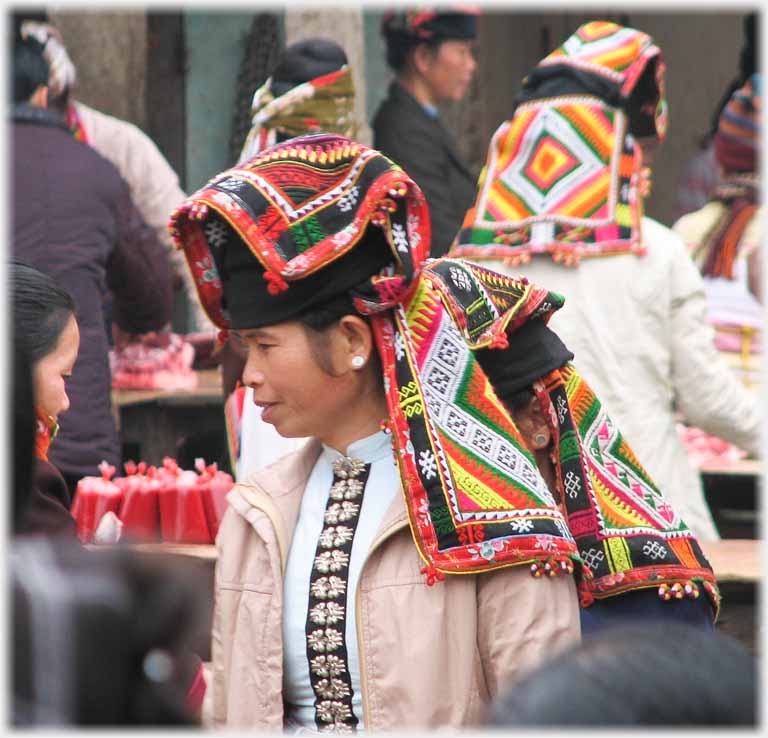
column 155, row 362
column 704, row 448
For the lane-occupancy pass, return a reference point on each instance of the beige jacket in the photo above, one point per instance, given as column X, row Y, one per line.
column 429, row 656
column 153, row 184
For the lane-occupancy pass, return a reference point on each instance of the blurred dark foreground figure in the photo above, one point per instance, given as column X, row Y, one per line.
column 669, row 674
column 99, row 639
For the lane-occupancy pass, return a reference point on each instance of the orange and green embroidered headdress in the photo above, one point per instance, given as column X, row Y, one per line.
column 563, row 175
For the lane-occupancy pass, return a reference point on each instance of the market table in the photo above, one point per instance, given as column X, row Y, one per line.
column 153, row 422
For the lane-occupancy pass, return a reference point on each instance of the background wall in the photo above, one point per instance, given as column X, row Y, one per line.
column 109, row 51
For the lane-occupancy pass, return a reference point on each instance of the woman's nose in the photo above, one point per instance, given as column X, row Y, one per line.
column 252, row 377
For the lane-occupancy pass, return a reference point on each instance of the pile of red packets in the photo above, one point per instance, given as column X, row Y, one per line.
column 152, row 504
column 155, row 361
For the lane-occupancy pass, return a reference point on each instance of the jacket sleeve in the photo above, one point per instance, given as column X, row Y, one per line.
column 155, row 189
column 708, row 393
column 138, row 272
column 522, row 622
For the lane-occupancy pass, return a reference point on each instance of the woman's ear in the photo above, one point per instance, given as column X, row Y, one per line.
column 423, row 57
column 355, row 343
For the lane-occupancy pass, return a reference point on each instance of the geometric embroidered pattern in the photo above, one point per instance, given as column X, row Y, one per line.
column 475, row 494
column 301, row 205
column 561, row 176
column 327, row 612
column 628, row 535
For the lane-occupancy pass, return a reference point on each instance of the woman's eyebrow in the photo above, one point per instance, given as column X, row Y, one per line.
column 254, row 333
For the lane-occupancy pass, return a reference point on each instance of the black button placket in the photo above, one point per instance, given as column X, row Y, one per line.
column 327, row 613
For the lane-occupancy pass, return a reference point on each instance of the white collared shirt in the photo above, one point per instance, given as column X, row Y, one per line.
column 382, row 486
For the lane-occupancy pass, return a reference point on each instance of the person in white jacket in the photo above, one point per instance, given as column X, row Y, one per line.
column 560, row 201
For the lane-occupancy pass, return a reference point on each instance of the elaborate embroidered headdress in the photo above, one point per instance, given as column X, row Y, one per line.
column 563, row 175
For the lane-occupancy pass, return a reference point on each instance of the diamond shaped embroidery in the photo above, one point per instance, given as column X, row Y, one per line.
column 549, row 163
column 554, row 161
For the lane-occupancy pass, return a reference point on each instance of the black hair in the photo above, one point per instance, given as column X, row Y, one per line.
column 319, row 319
column 23, row 426
column 30, row 70
column 400, row 45
column 41, row 310
column 641, row 674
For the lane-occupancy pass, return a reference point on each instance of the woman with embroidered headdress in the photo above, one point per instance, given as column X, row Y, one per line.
column 311, row 90
column 385, row 575
column 313, row 253
column 561, row 200
column 723, row 237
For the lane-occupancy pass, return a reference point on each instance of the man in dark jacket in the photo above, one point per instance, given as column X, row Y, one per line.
column 431, row 54
column 73, row 219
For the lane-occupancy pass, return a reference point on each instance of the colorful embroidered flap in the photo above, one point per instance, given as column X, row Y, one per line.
column 475, row 497
column 564, row 175
column 628, row 535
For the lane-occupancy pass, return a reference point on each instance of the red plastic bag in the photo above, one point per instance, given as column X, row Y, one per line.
column 140, row 511
column 213, row 487
column 94, row 497
column 182, row 517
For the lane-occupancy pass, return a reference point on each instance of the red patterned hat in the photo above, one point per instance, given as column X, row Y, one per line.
column 301, row 208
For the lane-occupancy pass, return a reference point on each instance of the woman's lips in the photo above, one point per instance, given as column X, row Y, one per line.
column 267, row 409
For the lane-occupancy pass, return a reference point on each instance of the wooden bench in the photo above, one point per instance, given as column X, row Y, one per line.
column 734, row 561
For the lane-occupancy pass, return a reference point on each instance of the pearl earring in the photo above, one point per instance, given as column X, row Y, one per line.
column 357, row 362
column 539, row 439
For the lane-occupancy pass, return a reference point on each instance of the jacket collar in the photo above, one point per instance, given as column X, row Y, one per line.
column 278, row 491
column 31, row 114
